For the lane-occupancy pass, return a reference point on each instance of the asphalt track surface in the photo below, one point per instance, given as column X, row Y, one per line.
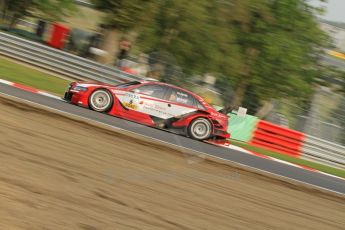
column 283, row 170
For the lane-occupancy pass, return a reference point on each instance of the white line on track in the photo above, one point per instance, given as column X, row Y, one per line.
column 5, row 82
column 50, row 95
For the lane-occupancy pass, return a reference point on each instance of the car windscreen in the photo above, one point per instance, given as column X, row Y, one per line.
column 128, row 84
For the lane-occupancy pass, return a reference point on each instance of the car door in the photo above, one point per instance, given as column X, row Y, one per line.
column 180, row 102
column 151, row 100
column 145, row 101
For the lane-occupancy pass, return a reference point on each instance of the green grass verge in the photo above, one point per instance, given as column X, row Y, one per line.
column 18, row 73
column 320, row 167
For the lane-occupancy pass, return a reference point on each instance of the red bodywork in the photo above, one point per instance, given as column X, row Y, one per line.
column 178, row 117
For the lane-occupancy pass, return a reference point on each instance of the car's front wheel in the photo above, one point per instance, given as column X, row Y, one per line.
column 200, row 129
column 101, row 100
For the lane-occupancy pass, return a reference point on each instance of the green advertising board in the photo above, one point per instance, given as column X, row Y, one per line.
column 241, row 127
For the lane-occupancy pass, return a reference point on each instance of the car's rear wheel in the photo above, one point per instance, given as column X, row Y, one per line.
column 200, row 129
column 101, row 100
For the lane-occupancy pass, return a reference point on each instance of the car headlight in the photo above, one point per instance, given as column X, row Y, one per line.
column 80, row 88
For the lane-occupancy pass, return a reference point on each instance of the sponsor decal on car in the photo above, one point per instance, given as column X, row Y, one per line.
column 130, row 105
column 128, row 99
column 132, row 96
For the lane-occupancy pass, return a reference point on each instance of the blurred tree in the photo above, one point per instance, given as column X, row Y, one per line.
column 52, row 10
column 121, row 16
column 251, row 20
column 193, row 33
column 280, row 43
column 269, row 46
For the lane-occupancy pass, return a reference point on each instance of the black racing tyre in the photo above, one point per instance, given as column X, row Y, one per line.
column 101, row 100
column 200, row 129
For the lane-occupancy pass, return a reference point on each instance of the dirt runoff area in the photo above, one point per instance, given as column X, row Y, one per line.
column 56, row 173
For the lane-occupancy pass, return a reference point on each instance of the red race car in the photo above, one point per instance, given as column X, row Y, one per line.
column 155, row 104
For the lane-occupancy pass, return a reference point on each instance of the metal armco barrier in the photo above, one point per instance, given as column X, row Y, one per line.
column 325, row 152
column 278, row 139
column 59, row 61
